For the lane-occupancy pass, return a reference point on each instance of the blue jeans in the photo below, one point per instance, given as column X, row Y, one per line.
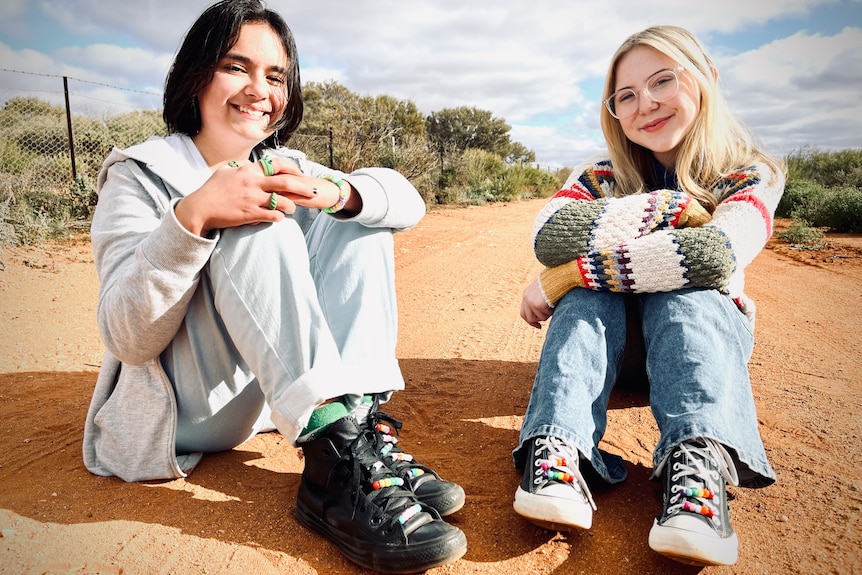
column 697, row 344
column 280, row 322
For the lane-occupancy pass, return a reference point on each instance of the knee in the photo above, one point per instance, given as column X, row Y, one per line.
column 267, row 244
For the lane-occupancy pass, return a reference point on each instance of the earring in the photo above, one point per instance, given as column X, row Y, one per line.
column 194, row 107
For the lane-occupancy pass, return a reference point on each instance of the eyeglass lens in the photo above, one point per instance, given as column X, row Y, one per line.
column 662, row 86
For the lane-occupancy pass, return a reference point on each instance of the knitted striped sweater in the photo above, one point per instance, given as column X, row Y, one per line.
column 661, row 240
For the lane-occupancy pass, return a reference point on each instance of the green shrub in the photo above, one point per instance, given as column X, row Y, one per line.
column 824, row 189
column 801, row 235
column 134, row 127
column 12, row 158
column 82, row 198
column 839, row 209
column 532, row 182
column 831, row 169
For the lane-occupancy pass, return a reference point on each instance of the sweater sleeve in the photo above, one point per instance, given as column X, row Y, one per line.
column 583, row 217
column 707, row 256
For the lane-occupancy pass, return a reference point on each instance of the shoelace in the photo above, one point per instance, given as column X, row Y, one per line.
column 382, row 426
column 694, row 484
column 375, row 483
column 552, row 464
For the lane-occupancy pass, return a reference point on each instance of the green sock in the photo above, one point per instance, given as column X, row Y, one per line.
column 323, row 416
column 359, row 409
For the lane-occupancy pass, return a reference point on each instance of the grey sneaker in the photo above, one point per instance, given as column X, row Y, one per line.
column 694, row 524
column 553, row 493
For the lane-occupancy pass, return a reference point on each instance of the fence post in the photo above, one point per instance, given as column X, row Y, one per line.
column 69, row 128
column 331, row 161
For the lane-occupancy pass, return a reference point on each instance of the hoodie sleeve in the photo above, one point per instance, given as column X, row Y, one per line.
column 389, row 200
column 148, row 264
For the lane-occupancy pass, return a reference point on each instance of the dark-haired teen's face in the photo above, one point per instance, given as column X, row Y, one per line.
column 246, row 95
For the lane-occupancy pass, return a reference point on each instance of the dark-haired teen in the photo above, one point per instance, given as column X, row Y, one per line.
column 244, row 288
column 655, row 234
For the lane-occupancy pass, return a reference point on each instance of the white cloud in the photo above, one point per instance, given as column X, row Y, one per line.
column 534, row 63
column 12, row 17
column 800, row 91
column 125, row 67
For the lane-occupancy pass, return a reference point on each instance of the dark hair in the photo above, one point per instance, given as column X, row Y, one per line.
column 212, row 35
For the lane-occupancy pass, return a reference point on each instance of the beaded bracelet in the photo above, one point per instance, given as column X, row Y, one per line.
column 343, row 194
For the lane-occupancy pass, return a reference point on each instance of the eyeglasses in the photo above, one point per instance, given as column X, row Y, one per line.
column 661, row 86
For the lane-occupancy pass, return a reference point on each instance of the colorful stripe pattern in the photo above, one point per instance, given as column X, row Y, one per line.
column 639, row 243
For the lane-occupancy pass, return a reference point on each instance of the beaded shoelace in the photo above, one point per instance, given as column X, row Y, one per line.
column 696, row 482
column 385, row 435
column 552, row 457
column 376, row 483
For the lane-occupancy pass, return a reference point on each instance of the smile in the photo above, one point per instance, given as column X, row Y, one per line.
column 249, row 111
column 655, row 125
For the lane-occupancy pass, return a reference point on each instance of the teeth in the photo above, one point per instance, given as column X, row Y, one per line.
column 257, row 113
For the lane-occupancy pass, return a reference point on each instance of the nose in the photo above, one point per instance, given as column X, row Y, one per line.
column 257, row 86
column 645, row 101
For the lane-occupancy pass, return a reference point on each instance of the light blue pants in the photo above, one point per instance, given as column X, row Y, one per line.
column 281, row 322
column 697, row 345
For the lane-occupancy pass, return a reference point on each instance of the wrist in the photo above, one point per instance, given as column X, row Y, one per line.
column 343, row 194
column 555, row 282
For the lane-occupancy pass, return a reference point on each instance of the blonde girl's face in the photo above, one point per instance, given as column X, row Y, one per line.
column 246, row 94
column 657, row 126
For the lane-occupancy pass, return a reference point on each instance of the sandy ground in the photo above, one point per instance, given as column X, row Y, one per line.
column 469, row 362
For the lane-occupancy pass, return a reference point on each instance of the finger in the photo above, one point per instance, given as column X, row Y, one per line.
column 286, row 206
column 271, row 202
column 292, row 187
column 279, row 203
column 526, row 315
column 284, row 166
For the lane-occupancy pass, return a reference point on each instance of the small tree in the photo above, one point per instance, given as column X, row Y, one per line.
column 465, row 128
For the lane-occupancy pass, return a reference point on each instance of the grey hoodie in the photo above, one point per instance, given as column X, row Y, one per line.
column 149, row 266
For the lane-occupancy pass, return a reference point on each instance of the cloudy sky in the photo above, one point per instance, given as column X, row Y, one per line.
column 791, row 69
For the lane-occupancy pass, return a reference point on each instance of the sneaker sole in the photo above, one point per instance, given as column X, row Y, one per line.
column 691, row 548
column 553, row 513
column 383, row 558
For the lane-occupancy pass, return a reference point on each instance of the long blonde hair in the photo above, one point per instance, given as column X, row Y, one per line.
column 716, row 144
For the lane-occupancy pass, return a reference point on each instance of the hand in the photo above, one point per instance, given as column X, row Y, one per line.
column 694, row 215
column 311, row 192
column 534, row 308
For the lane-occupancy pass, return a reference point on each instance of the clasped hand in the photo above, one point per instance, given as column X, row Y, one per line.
column 236, row 196
column 534, row 308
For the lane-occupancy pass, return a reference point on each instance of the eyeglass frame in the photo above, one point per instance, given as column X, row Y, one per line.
column 675, row 71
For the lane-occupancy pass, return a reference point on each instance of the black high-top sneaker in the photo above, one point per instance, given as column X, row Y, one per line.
column 348, row 495
column 694, row 524
column 553, row 493
column 444, row 496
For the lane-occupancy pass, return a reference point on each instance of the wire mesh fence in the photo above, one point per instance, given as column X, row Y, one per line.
column 54, row 129
column 55, row 132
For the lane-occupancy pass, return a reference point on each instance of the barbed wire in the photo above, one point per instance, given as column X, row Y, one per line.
column 83, row 81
